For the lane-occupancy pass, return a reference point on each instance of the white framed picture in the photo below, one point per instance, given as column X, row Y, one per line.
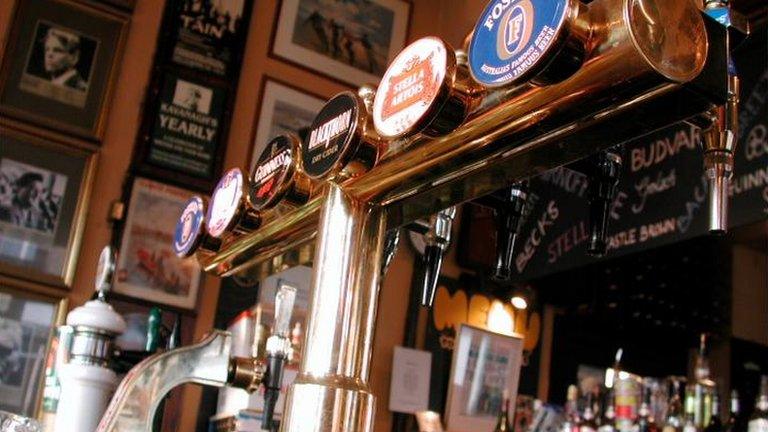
column 283, row 108
column 147, row 267
column 484, row 366
column 350, row 42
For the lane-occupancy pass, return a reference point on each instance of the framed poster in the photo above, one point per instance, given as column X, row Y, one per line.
column 60, row 66
column 44, row 192
column 208, row 35
column 484, row 365
column 350, row 42
column 147, row 268
column 27, row 324
column 184, row 130
column 283, row 108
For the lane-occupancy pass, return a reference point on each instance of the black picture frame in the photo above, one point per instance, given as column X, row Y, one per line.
column 181, row 145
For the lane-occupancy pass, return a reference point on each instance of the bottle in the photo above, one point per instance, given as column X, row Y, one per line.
column 758, row 422
column 703, row 386
column 587, row 422
column 733, row 418
column 607, row 424
column 645, row 422
column 502, row 424
column 690, row 410
column 571, row 410
column 674, row 421
column 153, row 329
column 715, row 424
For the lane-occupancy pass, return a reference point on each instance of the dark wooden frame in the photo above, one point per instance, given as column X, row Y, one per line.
column 96, row 133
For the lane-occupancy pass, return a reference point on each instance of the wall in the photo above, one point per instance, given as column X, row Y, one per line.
column 448, row 18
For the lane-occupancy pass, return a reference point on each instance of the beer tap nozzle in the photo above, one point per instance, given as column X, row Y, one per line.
column 603, row 170
column 278, row 352
column 437, row 240
column 508, row 210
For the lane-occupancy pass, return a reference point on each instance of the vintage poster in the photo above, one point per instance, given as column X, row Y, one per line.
column 147, row 268
column 186, row 132
column 209, row 34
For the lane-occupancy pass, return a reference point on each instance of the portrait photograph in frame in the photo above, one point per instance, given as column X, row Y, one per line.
column 44, row 192
column 60, row 65
column 484, row 365
column 350, row 42
column 147, row 268
column 207, row 35
column 283, row 108
column 28, row 321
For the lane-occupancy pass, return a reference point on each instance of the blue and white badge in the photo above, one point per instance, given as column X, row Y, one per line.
column 512, row 37
column 189, row 227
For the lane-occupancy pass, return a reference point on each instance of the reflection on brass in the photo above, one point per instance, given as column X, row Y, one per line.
column 633, row 68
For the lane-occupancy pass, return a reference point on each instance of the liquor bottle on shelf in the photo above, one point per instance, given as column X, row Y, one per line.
column 690, row 410
column 674, row 421
column 758, row 422
column 608, row 414
column 715, row 424
column 587, row 422
column 733, row 417
column 502, row 424
column 645, row 421
column 703, row 386
column 571, row 410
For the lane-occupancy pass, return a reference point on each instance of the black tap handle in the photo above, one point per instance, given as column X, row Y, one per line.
column 432, row 262
column 605, row 168
column 273, row 379
column 508, row 213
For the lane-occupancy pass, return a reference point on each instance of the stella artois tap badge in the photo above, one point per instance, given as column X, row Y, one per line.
column 409, row 92
column 513, row 39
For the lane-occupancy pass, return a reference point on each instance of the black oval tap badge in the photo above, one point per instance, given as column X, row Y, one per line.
column 271, row 173
column 332, row 135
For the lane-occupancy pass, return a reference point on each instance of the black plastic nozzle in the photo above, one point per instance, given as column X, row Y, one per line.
column 272, row 381
column 432, row 261
column 508, row 213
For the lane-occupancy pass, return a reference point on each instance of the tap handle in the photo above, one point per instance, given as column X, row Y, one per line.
column 603, row 182
column 432, row 262
column 273, row 380
column 508, row 214
column 284, row 300
column 391, row 242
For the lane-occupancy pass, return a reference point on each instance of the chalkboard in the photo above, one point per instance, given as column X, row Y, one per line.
column 662, row 194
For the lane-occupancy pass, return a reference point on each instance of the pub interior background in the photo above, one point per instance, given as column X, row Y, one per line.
column 662, row 284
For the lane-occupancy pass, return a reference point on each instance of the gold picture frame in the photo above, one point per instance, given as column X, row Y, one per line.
column 29, row 315
column 69, row 93
column 40, row 235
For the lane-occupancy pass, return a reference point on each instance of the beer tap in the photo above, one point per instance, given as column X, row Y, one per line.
column 278, row 352
column 603, row 170
column 720, row 125
column 508, row 205
column 436, row 236
column 391, row 242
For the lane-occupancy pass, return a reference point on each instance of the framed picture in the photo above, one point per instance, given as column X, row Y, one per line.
column 127, row 5
column 185, row 129
column 207, row 35
column 351, row 42
column 61, row 64
column 44, row 192
column 147, row 268
column 484, row 365
column 283, row 108
column 27, row 324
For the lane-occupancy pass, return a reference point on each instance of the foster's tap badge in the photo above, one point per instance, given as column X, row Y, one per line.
column 275, row 177
column 513, row 39
column 337, row 139
column 229, row 210
column 412, row 89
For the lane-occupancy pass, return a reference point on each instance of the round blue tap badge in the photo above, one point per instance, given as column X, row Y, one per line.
column 512, row 37
column 189, row 227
